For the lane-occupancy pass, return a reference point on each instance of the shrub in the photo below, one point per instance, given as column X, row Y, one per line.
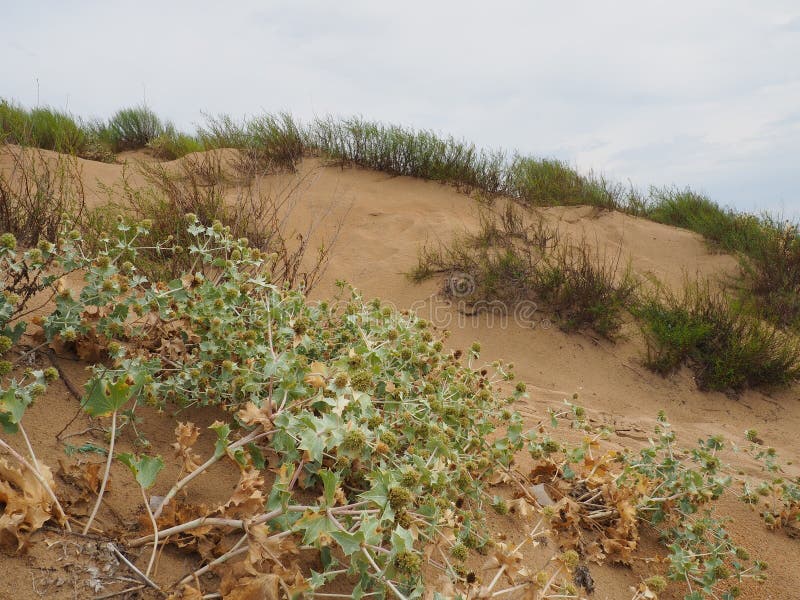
column 133, row 128
column 771, row 274
column 14, row 123
column 222, row 132
column 510, row 261
column 401, row 151
column 727, row 349
column 37, row 194
column 275, row 142
column 54, row 130
column 224, row 335
column 268, row 143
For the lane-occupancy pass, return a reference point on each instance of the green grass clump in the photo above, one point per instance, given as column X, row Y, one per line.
column 55, row 130
column 133, row 128
column 51, row 129
column 771, row 275
column 547, row 182
column 270, row 142
column 14, row 123
column 727, row 348
column 172, row 144
column 403, row 151
column 727, row 229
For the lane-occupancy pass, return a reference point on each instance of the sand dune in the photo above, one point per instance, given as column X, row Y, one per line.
column 386, row 219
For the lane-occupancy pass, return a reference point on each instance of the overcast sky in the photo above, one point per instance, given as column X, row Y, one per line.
column 697, row 93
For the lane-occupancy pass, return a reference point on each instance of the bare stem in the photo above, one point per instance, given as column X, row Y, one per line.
column 132, row 566
column 191, row 476
column 105, row 475
column 155, row 534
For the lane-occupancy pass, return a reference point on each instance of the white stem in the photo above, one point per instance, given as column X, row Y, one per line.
column 105, row 475
column 188, row 479
column 155, row 534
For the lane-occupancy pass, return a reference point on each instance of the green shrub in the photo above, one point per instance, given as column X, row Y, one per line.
column 222, row 132
column 14, row 123
column 133, row 128
column 225, row 335
column 275, row 141
column 727, row 348
column 268, row 143
column 586, row 288
column 54, row 130
column 771, row 275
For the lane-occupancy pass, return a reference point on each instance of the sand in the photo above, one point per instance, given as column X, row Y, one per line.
column 384, row 220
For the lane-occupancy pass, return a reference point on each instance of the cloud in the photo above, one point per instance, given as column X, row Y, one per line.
column 658, row 92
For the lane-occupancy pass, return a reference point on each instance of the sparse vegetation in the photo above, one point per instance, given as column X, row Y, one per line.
column 172, row 144
column 727, row 230
column 402, row 151
column 517, row 256
column 202, row 186
column 771, row 275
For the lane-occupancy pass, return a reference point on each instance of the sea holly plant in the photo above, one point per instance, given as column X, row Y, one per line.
column 668, row 487
column 777, row 493
column 349, row 402
column 354, row 433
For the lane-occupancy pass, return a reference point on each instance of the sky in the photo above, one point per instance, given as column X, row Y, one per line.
column 703, row 94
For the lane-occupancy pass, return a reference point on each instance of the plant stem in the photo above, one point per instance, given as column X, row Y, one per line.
column 235, row 551
column 105, row 475
column 155, row 534
column 191, row 476
column 133, row 567
column 379, row 574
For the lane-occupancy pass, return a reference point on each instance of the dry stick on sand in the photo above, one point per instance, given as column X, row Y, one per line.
column 131, row 566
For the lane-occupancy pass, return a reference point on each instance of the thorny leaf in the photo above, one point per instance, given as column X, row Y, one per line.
column 265, row 546
column 261, row 587
column 26, row 504
column 203, row 539
column 248, row 498
column 251, row 414
column 187, row 434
